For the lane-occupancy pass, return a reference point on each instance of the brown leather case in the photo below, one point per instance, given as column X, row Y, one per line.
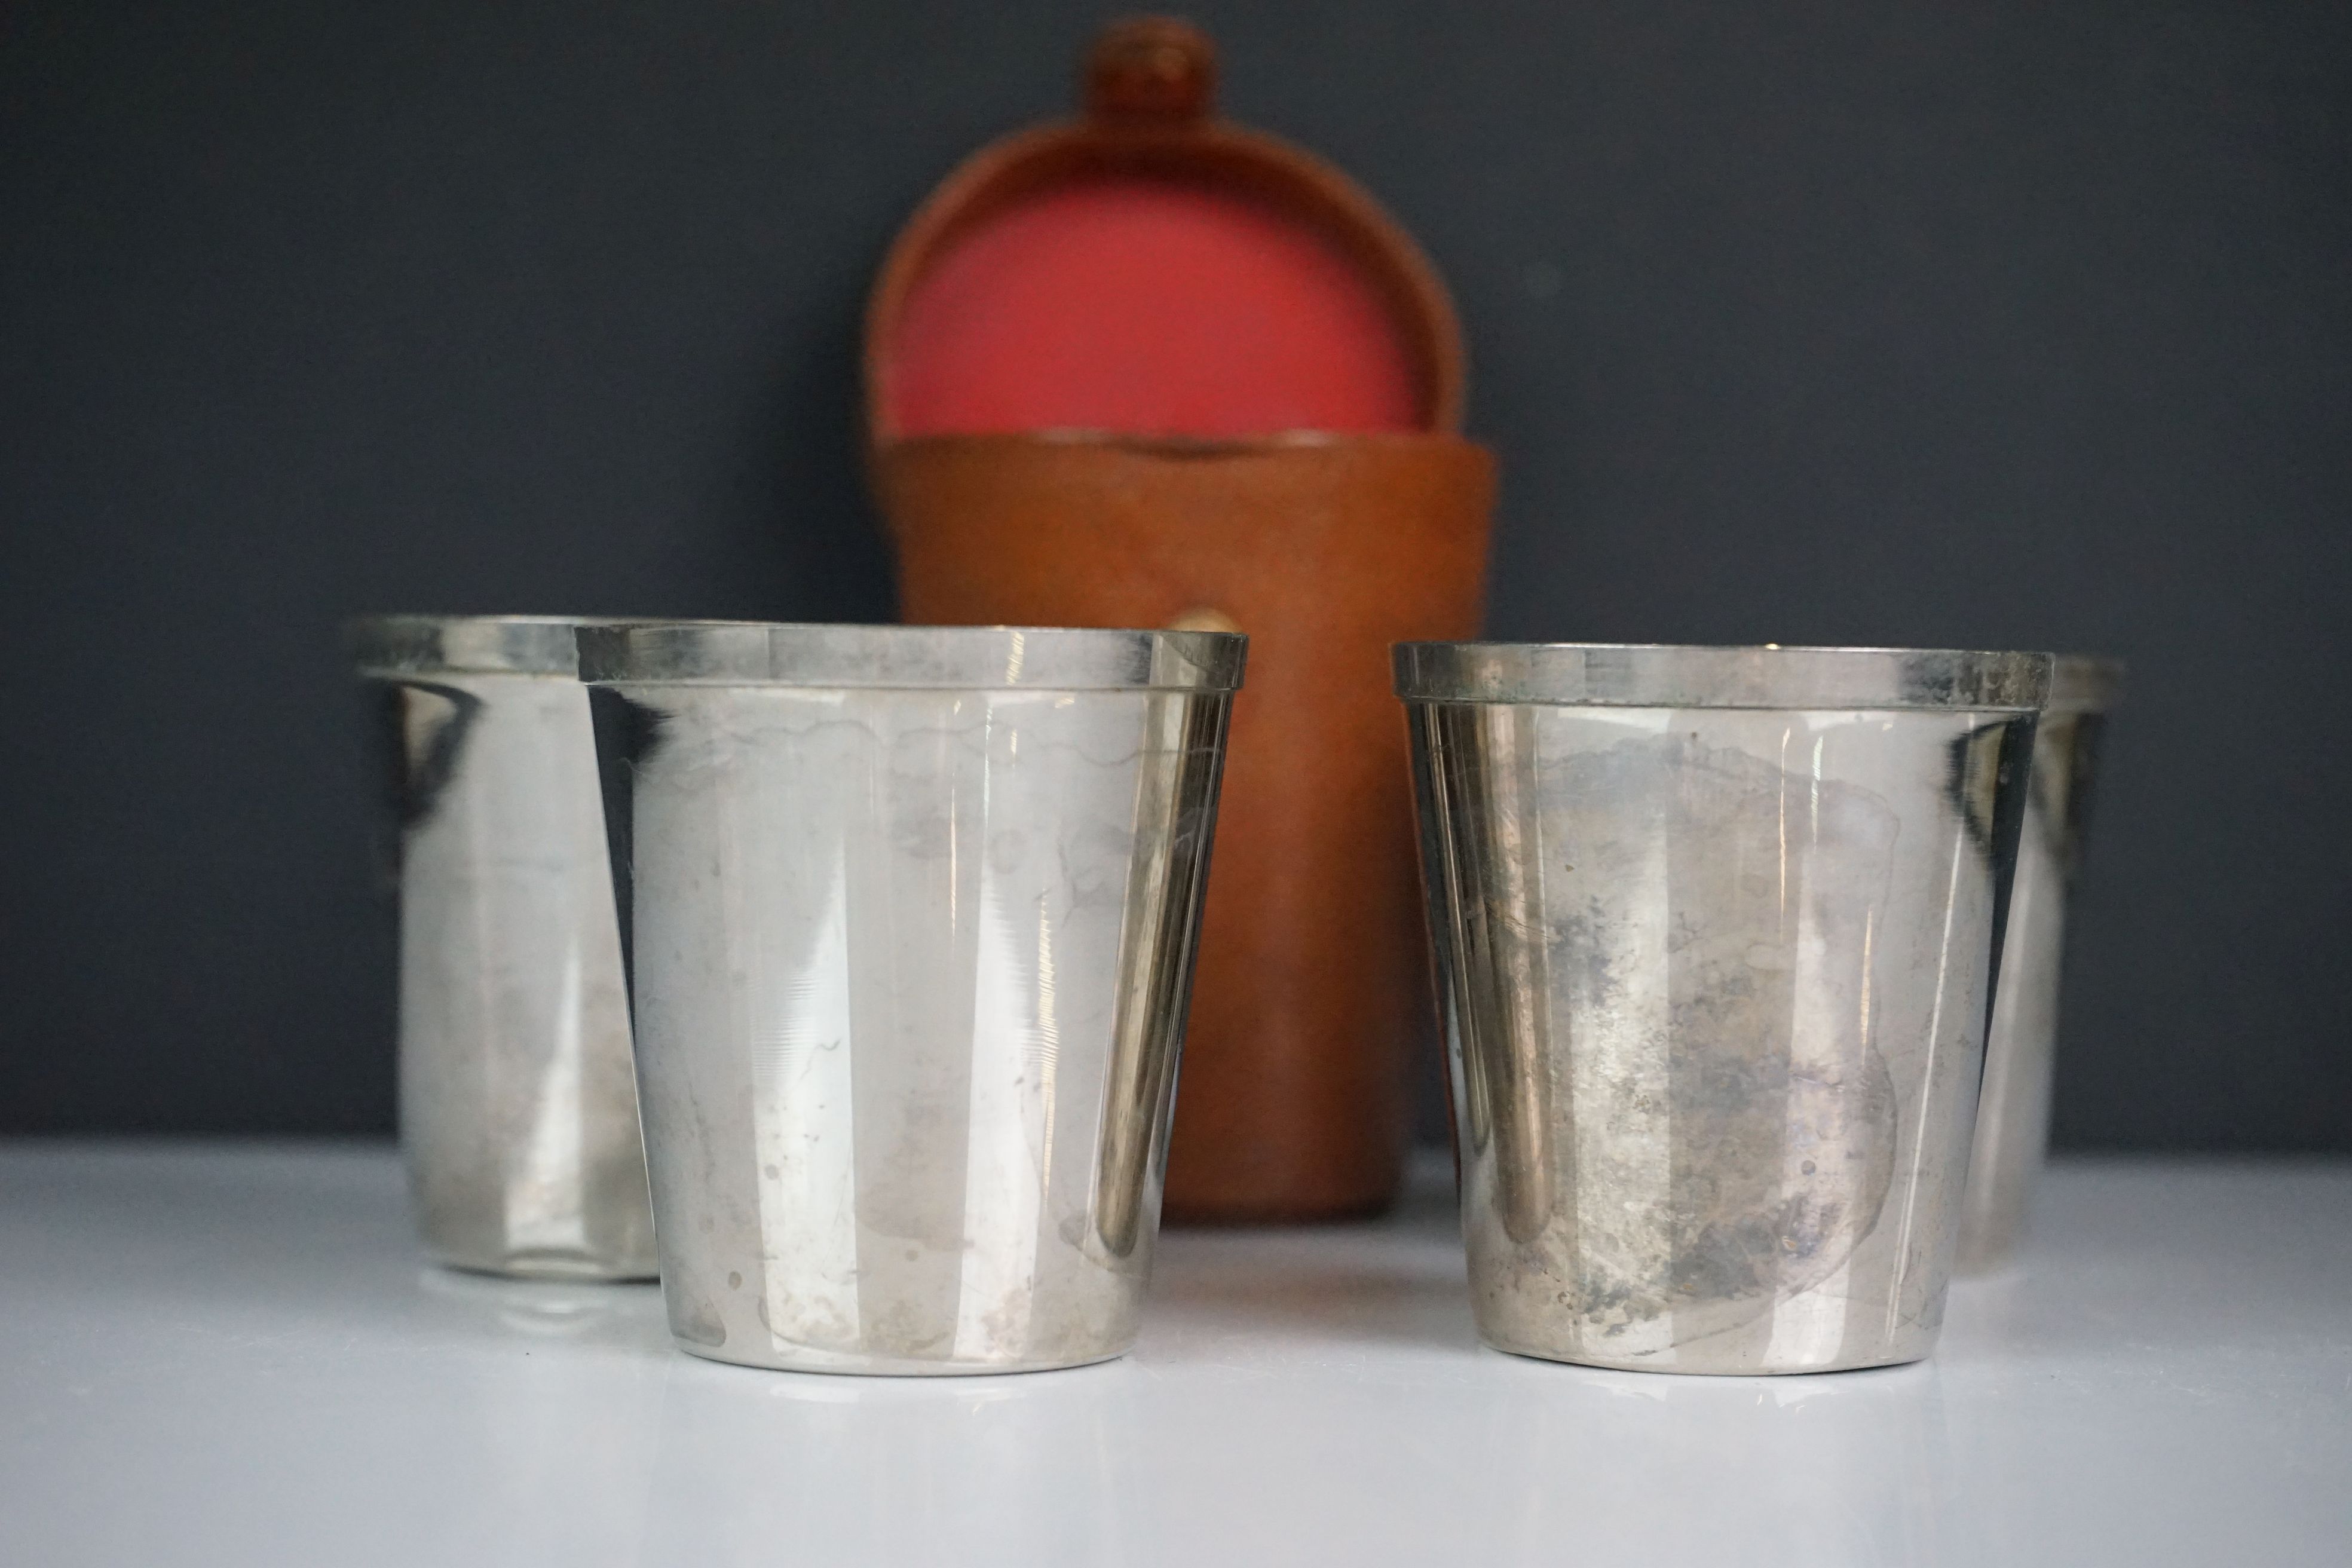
column 1325, row 547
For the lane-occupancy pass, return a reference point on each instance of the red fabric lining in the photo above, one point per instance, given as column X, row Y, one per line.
column 1147, row 306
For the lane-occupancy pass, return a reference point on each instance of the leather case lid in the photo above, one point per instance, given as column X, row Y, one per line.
column 1151, row 270
column 1149, row 304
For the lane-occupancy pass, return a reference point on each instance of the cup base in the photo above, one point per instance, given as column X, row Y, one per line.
column 1703, row 1366
column 558, row 1268
column 846, row 1364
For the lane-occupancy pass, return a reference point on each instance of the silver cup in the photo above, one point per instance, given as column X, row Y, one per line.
column 518, row 1111
column 1714, row 932
column 910, row 917
column 2013, row 1115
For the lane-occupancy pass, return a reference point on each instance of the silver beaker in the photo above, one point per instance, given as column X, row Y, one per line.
column 1715, row 933
column 2014, row 1114
column 910, row 915
column 518, row 1111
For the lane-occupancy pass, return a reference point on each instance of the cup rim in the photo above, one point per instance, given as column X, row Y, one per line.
column 404, row 643
column 837, row 657
column 1769, row 675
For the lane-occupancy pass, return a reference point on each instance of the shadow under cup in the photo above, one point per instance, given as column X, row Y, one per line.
column 910, row 915
column 1715, row 931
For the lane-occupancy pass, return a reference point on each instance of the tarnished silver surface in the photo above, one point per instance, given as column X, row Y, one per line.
column 910, row 964
column 2021, row 1053
column 1715, row 986
column 518, row 1111
column 950, row 658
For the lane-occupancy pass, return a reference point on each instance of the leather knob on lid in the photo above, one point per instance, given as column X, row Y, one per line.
column 1149, row 70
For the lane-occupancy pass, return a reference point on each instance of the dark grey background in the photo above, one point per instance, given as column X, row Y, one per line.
column 2001, row 325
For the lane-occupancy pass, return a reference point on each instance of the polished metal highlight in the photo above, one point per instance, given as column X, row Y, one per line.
column 2013, row 1115
column 1714, row 930
column 518, row 1109
column 911, row 915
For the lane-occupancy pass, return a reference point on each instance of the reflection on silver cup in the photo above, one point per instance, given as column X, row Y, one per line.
column 910, row 917
column 1714, row 932
column 517, row 1114
column 2013, row 1119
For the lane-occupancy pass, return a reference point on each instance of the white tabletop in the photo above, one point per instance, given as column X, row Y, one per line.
column 233, row 1355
